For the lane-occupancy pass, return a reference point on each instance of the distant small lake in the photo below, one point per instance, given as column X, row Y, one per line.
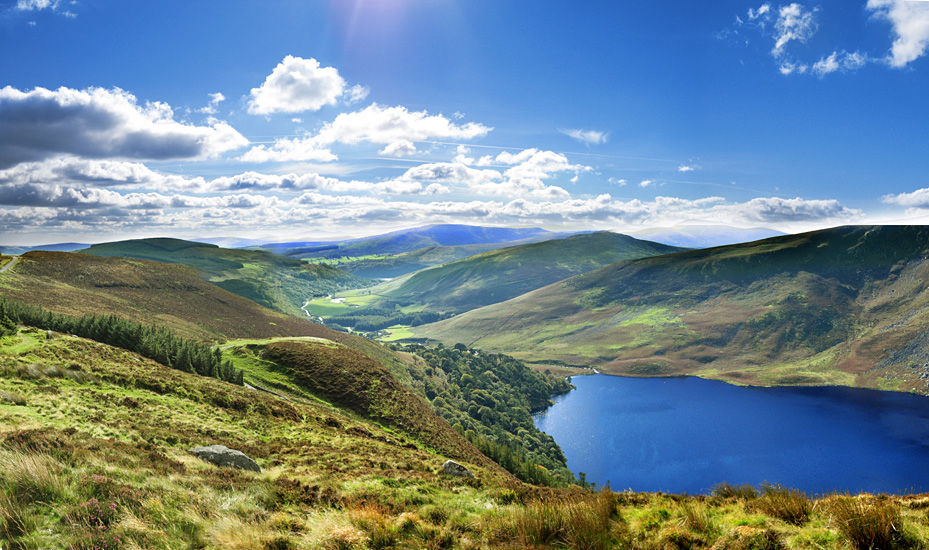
column 685, row 435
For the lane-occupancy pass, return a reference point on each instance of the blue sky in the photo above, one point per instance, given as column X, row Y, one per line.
column 292, row 119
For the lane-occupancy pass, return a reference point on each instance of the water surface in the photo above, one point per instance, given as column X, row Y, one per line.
column 688, row 434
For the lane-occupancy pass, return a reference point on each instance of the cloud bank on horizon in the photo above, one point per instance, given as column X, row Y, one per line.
column 300, row 147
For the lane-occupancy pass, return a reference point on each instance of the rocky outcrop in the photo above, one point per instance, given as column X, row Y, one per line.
column 225, row 457
column 452, row 468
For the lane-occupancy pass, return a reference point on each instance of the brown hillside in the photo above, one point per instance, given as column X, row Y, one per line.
column 357, row 382
column 169, row 295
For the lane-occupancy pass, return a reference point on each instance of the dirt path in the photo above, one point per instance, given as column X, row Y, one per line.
column 9, row 265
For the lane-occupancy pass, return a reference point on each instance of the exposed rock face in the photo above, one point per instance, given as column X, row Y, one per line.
column 225, row 457
column 452, row 468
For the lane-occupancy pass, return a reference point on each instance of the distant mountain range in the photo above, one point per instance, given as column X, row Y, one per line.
column 704, row 235
column 848, row 305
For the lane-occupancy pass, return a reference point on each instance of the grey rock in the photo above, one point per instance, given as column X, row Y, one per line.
column 452, row 468
column 221, row 455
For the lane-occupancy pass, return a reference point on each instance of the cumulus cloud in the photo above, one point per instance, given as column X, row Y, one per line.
column 384, row 125
column 916, row 199
column 778, row 210
column 588, row 137
column 101, row 173
column 289, row 150
column 297, row 85
column 910, row 21
column 391, row 126
column 401, row 148
column 99, row 123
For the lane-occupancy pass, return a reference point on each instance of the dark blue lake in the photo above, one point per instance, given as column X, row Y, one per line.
column 687, row 434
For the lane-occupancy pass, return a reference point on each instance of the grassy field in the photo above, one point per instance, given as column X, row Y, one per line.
column 93, row 455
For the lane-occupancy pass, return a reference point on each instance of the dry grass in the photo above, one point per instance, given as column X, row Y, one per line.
column 869, row 523
column 789, row 505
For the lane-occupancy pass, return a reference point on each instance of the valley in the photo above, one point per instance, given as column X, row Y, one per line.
column 350, row 434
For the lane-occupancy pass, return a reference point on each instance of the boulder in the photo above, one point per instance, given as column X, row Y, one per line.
column 452, row 468
column 225, row 457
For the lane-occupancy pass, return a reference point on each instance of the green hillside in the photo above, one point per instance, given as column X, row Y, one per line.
column 279, row 283
column 840, row 306
column 484, row 279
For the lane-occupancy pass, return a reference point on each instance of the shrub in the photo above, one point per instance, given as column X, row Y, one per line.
column 869, row 523
column 789, row 505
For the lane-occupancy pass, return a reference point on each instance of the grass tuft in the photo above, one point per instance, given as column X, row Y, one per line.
column 789, row 505
column 740, row 492
column 868, row 523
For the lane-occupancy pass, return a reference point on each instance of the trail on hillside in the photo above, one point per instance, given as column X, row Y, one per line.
column 11, row 264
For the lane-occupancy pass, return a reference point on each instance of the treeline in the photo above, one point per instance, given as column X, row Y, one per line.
column 372, row 319
column 152, row 342
column 490, row 399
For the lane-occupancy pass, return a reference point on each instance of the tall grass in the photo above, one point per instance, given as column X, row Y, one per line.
column 868, row 523
column 741, row 492
column 583, row 523
column 30, row 477
column 790, row 505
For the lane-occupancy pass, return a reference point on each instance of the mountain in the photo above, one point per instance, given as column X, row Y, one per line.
column 407, row 240
column 505, row 273
column 169, row 295
column 279, row 283
column 841, row 306
column 704, row 235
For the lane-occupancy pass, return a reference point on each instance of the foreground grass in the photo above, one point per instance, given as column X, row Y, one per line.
column 93, row 455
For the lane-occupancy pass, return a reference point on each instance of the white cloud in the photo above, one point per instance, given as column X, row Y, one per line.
column 395, row 127
column 684, row 168
column 794, row 22
column 103, row 173
column 99, row 123
column 763, row 12
column 778, row 210
column 588, row 137
column 646, row 183
column 400, row 148
column 39, row 5
column 910, row 20
column 215, row 99
column 837, row 61
column 297, row 85
column 384, row 125
column 619, row 182
column 357, row 93
column 289, row 150
column 916, row 199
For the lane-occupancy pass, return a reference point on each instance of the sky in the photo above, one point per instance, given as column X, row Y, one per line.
column 301, row 119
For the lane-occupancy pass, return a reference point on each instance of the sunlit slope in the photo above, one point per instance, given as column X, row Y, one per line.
column 279, row 283
column 847, row 305
column 502, row 274
column 169, row 295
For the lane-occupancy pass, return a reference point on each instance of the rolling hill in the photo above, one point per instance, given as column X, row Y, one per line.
column 279, row 283
column 505, row 273
column 846, row 306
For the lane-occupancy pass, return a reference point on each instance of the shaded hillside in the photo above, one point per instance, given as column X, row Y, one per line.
column 279, row 283
column 407, row 240
column 847, row 305
column 169, row 295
